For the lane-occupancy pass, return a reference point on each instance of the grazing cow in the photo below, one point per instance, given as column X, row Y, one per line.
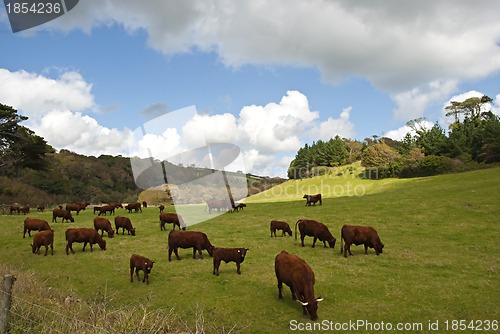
column 227, row 255
column 40, row 208
column 296, row 273
column 125, row 224
column 97, row 209
column 107, row 208
column 25, row 209
column 76, row 207
column 104, row 225
column 145, row 204
column 65, row 214
column 43, row 238
column 218, row 204
column 280, row 225
column 187, row 239
column 171, row 218
column 313, row 199
column 317, row 230
column 358, row 235
column 138, row 263
column 238, row 206
column 15, row 208
column 161, row 207
column 116, row 204
column 32, row 224
column 133, row 206
column 85, row 235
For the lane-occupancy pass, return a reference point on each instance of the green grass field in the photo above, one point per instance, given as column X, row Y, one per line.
column 440, row 262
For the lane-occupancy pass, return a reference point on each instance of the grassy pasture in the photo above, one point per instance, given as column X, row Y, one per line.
column 440, row 261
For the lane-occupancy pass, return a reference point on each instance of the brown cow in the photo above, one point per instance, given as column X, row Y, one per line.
column 138, row 263
column 161, row 207
column 40, row 208
column 103, row 224
column 85, row 235
column 43, row 238
column 97, row 209
column 145, row 204
column 116, row 204
column 75, row 207
column 25, row 209
column 227, row 255
column 313, row 199
column 15, row 208
column 312, row 228
column 358, row 235
column 238, row 206
column 107, row 208
column 133, row 206
column 65, row 214
column 171, row 218
column 280, row 225
column 187, row 239
column 31, row 224
column 296, row 273
column 125, row 224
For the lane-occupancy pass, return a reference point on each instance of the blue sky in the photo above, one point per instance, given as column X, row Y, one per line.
column 268, row 76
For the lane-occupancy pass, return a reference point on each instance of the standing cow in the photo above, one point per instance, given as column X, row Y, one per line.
column 188, row 239
column 104, row 224
column 280, row 225
column 105, row 209
column 125, row 224
column 134, row 206
column 358, row 235
column 139, row 262
column 31, row 224
column 313, row 199
column 171, row 218
column 65, row 214
column 296, row 273
column 227, row 255
column 43, row 238
column 317, row 230
column 85, row 235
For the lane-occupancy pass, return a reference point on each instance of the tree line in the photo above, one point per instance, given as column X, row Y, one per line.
column 472, row 141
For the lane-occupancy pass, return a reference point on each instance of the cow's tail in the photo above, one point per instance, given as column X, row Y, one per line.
column 341, row 240
column 298, row 221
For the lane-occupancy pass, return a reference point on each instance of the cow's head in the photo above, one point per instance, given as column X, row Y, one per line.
column 305, row 196
column 288, row 230
column 148, row 265
column 379, row 247
column 242, row 253
column 132, row 231
column 102, row 244
column 210, row 250
column 312, row 307
column 111, row 233
column 331, row 242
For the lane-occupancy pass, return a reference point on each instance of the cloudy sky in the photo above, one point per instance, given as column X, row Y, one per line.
column 266, row 76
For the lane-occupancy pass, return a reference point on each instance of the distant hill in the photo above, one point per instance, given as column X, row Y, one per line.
column 72, row 177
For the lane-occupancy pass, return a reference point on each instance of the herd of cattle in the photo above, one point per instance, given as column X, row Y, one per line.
column 289, row 269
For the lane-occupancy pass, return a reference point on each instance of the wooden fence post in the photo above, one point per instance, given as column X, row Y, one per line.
column 8, row 280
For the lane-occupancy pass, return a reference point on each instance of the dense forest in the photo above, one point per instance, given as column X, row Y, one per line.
column 472, row 141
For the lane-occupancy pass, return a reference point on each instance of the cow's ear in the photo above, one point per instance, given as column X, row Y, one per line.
column 247, row 249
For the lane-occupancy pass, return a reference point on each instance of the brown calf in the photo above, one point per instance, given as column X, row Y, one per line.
column 43, row 238
column 171, row 218
column 227, row 255
column 138, row 263
column 280, row 225
column 125, row 224
column 103, row 224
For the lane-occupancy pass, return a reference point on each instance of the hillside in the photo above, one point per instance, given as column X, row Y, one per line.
column 333, row 182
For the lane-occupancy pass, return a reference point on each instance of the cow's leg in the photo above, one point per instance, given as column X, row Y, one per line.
column 294, row 297
column 302, row 239
column 314, row 241
column 46, row 250
column 52, row 248
column 366, row 249
column 137, row 273
column 84, row 244
column 280, row 285
column 349, row 249
column 176, row 252
column 146, row 278
column 170, row 254
column 216, row 267
column 131, row 272
column 238, row 270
